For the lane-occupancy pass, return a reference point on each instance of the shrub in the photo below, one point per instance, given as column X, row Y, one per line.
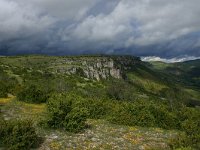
column 75, row 120
column 143, row 113
column 190, row 124
column 97, row 108
column 120, row 115
column 64, row 112
column 120, row 90
column 3, row 90
column 164, row 117
column 179, row 142
column 191, row 128
column 18, row 135
column 3, row 94
column 32, row 95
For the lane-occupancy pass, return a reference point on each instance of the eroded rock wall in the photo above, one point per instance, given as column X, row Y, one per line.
column 96, row 67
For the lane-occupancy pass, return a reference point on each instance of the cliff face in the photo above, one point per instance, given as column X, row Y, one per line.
column 95, row 67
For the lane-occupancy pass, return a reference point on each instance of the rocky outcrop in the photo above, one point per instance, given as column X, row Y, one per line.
column 95, row 67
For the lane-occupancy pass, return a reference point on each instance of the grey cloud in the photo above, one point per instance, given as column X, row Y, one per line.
column 62, row 9
column 143, row 22
column 18, row 21
column 141, row 27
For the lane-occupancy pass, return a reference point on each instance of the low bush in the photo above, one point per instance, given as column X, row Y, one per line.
column 18, row 135
column 143, row 113
column 180, row 142
column 120, row 90
column 3, row 90
column 190, row 123
column 97, row 108
column 3, row 94
column 64, row 112
column 32, row 95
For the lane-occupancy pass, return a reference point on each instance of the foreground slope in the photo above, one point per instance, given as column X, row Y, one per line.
column 100, row 134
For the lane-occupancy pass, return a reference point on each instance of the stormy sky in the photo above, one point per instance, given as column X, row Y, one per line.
column 164, row 28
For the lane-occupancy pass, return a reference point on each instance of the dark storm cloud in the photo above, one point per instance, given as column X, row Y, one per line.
column 139, row 27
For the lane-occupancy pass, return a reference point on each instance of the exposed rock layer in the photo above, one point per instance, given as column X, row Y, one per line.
column 96, row 67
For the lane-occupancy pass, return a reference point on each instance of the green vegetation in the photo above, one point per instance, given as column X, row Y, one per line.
column 8, row 84
column 18, row 134
column 152, row 96
column 139, row 113
column 32, row 95
column 63, row 113
column 3, row 90
column 118, row 90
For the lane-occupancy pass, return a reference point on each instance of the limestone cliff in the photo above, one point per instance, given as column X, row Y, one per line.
column 99, row 67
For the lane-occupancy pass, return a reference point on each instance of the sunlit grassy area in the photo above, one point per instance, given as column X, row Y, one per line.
column 160, row 65
column 16, row 109
column 148, row 84
column 5, row 100
column 194, row 93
